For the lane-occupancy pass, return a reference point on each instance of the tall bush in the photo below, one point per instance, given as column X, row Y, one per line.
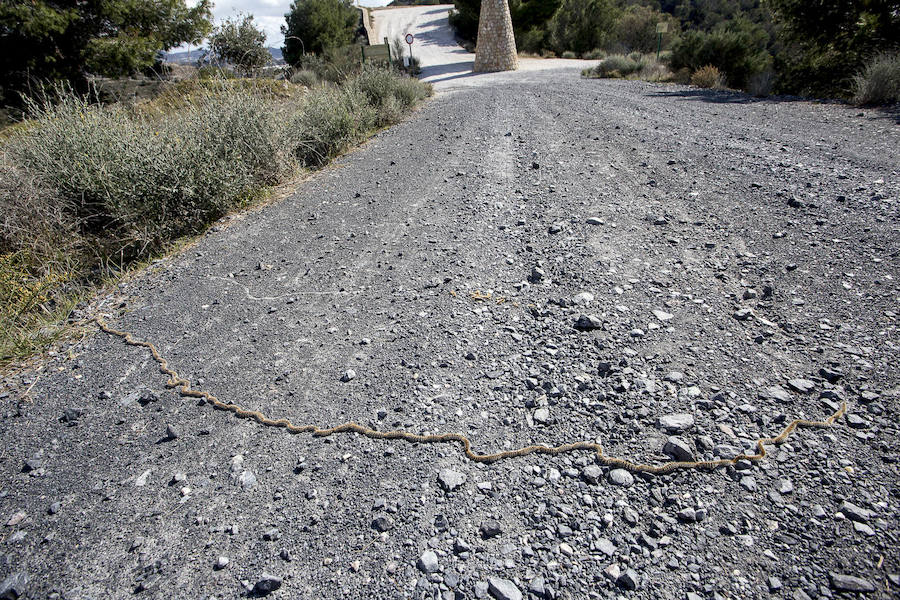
column 582, row 25
column 738, row 50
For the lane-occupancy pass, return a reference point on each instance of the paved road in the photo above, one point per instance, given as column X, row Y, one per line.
column 763, row 234
column 444, row 62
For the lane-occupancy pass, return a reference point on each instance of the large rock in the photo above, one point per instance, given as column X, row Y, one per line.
column 13, row 587
column 676, row 422
column 428, row 562
column 503, row 589
column 850, row 583
column 450, row 479
column 679, row 449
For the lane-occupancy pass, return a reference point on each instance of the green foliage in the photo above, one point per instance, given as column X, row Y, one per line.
column 239, row 42
column 826, row 46
column 316, row 26
column 305, row 77
column 879, row 83
column 62, row 40
column 636, row 29
column 85, row 189
column 737, row 49
column 582, row 25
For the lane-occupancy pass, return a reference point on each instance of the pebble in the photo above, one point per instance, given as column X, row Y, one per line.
column 850, row 583
column 594, row 221
column 592, row 474
column 542, row 415
column 382, row 523
column 621, row 477
column 489, row 529
column 804, row 386
column 450, row 480
column 628, row 580
column 776, row 392
column 503, row 589
column 171, row 432
column 13, row 586
column 676, row 422
column 428, row 562
column 221, row 563
column 662, row 315
column 349, row 375
column 854, row 512
column 678, row 449
column 588, row 322
column 267, row 584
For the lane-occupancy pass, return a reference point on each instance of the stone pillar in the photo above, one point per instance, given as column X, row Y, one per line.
column 496, row 46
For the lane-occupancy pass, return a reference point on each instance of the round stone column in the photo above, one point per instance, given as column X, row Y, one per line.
column 496, row 46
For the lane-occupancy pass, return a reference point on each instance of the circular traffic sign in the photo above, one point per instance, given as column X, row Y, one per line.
column 409, row 38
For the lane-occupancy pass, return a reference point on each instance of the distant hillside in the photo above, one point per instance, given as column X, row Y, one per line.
column 192, row 56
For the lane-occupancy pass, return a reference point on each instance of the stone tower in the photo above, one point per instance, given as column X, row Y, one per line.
column 496, row 46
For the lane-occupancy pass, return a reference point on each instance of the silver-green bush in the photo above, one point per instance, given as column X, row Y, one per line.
column 879, row 83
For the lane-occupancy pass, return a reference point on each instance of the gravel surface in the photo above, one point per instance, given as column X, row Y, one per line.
column 736, row 265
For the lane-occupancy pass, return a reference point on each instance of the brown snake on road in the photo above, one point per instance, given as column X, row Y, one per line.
column 184, row 388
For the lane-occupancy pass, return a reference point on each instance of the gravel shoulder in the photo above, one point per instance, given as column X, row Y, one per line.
column 740, row 260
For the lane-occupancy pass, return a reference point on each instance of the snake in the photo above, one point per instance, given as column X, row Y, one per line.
column 184, row 389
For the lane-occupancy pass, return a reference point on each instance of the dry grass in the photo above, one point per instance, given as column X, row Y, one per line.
column 708, row 77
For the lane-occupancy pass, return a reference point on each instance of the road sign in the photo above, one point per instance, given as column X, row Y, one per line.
column 409, row 38
column 662, row 28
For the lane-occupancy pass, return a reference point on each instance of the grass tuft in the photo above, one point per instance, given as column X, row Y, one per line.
column 879, row 83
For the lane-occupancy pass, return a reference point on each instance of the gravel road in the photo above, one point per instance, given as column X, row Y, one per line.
column 738, row 260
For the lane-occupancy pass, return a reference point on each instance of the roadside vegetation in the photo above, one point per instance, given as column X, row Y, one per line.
column 841, row 49
column 89, row 190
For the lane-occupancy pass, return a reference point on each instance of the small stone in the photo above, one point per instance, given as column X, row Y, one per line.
column 272, row 535
column 428, row 562
column 831, row 375
column 54, row 508
column 171, row 432
column 450, row 480
column 556, row 228
column 612, row 572
column 776, row 392
column 774, row 584
column 854, row 512
column 592, row 474
column 785, row 487
column 537, row 275
column 582, row 298
column 628, row 580
column 662, row 315
column 382, row 523
column 267, row 584
column 588, row 322
column 676, row 422
column 17, row 518
column 72, row 414
column 221, row 563
column 743, row 314
column 542, row 415
column 481, row 589
column 13, row 587
column 748, row 483
column 849, row 583
column 687, row 515
column 605, row 546
column 594, row 221
column 246, row 479
column 856, row 422
column 678, row 449
column 804, row 386
column 536, row 587
column 349, row 375
column 621, row 477
column 490, row 529
column 503, row 589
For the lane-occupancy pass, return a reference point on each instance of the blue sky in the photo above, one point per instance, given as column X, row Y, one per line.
column 268, row 14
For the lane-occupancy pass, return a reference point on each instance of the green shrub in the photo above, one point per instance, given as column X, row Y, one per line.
column 595, row 54
column 305, row 77
column 879, row 83
column 708, row 77
column 582, row 25
column 328, row 122
column 569, row 54
column 738, row 50
column 617, row 65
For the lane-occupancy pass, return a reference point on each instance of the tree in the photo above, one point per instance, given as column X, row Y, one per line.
column 239, row 42
column 582, row 25
column 65, row 39
column 317, row 25
column 828, row 41
column 636, row 29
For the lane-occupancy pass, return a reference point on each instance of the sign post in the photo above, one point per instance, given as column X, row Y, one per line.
column 409, row 40
column 661, row 28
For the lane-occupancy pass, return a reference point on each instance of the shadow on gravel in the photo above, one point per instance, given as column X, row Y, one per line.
column 450, row 71
column 730, row 97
